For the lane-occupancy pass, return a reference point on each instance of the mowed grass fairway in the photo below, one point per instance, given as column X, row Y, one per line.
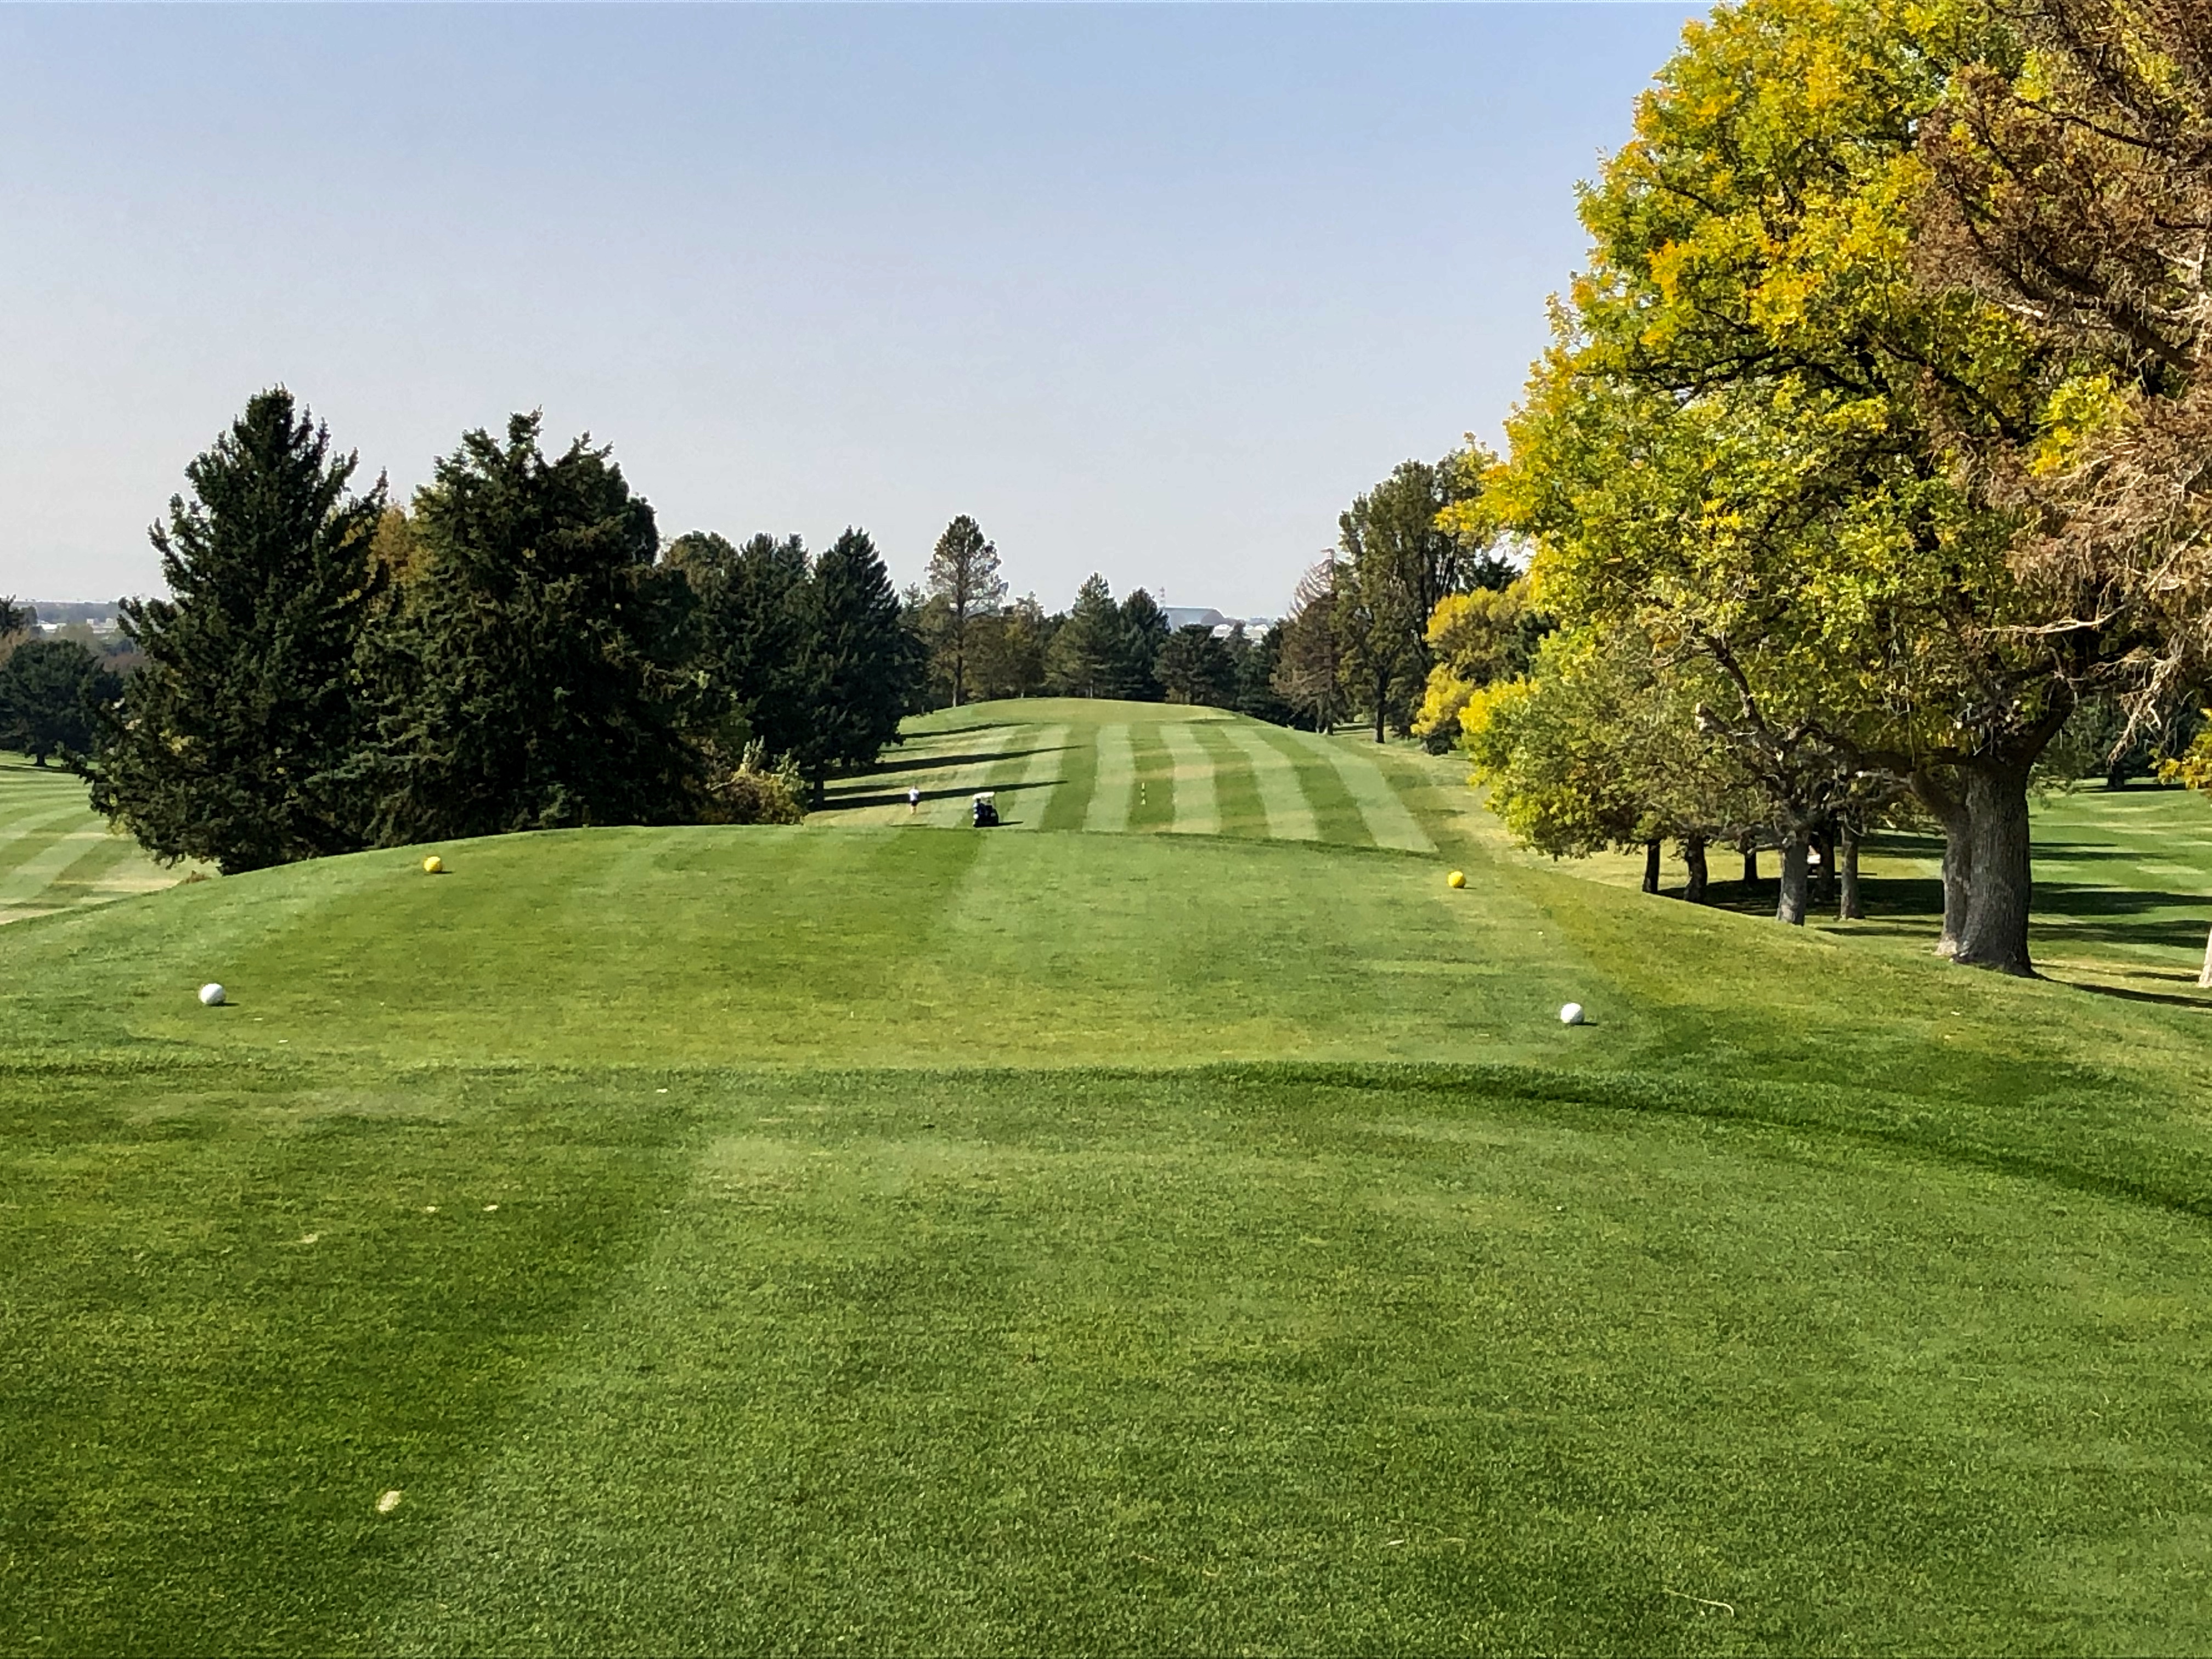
column 1072, row 763
column 55, row 854
column 874, row 1237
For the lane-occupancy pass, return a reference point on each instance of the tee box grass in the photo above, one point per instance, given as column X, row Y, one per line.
column 875, row 1236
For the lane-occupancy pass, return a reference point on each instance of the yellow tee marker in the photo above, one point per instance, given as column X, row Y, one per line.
column 1457, row 879
column 434, row 865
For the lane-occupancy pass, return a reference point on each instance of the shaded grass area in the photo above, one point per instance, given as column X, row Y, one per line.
column 2123, row 878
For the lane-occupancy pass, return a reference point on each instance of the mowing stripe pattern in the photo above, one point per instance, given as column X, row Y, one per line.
column 56, row 854
column 1388, row 820
column 1195, row 810
column 1290, row 815
column 1115, row 782
column 1119, row 768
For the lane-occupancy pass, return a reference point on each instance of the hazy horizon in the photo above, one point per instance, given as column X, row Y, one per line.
column 1147, row 290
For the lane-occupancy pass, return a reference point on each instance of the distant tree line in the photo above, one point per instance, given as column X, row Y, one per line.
column 514, row 649
column 51, row 688
column 978, row 645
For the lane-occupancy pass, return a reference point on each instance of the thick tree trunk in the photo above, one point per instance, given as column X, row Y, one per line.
column 1847, row 873
column 2205, row 978
column 1750, row 866
column 1823, row 885
column 1651, row 866
column 1693, row 854
column 1789, row 902
column 1958, row 858
column 1999, row 897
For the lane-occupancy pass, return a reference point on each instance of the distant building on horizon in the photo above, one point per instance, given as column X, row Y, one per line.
column 103, row 617
column 1191, row 615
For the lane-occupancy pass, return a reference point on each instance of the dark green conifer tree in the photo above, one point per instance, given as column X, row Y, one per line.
column 1195, row 667
column 1136, row 662
column 235, row 741
column 1257, row 660
column 536, row 679
column 52, row 692
column 1082, row 659
column 861, row 662
column 755, row 616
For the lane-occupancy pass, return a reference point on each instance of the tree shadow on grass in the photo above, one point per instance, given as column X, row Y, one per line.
column 898, row 797
column 1905, row 906
column 2202, row 1001
column 941, row 762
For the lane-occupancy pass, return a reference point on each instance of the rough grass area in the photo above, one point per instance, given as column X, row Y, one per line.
column 848, row 1239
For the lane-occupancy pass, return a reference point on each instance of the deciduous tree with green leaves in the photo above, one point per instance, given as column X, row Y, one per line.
column 1746, row 439
column 1403, row 546
column 1596, row 749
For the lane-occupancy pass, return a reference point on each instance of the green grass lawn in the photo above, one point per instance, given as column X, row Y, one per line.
column 54, row 854
column 1201, row 1237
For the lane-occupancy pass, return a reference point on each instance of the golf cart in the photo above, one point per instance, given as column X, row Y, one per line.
column 987, row 810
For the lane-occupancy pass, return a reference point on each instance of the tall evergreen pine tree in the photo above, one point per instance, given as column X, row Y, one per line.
column 1082, row 659
column 1144, row 632
column 861, row 661
column 535, row 683
column 754, row 619
column 52, row 692
column 233, row 742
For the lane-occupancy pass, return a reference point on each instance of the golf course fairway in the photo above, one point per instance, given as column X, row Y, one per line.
column 1176, row 1222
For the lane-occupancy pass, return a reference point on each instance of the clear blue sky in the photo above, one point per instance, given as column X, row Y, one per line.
column 1147, row 290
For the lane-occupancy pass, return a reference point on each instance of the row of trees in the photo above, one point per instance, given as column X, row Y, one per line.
column 511, row 651
column 50, row 689
column 516, row 649
column 979, row 645
column 1868, row 451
